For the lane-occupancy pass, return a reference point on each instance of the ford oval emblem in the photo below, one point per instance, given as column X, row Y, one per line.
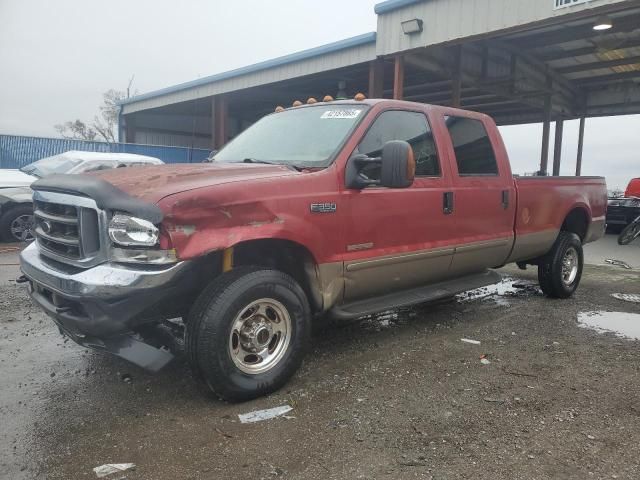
column 46, row 226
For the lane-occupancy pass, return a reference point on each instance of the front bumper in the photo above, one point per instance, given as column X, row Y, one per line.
column 104, row 301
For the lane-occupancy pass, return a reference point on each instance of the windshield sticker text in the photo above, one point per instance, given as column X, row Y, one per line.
column 342, row 113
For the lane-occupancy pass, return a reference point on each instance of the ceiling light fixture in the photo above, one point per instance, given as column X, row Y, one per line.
column 603, row 23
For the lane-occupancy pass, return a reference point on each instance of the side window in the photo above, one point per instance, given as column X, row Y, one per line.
column 412, row 127
column 472, row 146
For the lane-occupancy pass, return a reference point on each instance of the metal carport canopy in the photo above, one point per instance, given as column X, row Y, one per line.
column 520, row 61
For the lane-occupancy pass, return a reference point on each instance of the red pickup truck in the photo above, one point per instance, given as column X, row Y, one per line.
column 333, row 209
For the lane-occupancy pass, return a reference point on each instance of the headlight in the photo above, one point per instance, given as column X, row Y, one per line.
column 132, row 232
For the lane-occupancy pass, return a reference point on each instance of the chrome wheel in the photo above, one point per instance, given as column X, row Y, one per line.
column 260, row 336
column 570, row 265
column 21, row 228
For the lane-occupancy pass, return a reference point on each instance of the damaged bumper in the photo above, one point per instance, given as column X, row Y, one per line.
column 100, row 306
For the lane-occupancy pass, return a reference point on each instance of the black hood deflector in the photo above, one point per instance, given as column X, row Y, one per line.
column 106, row 195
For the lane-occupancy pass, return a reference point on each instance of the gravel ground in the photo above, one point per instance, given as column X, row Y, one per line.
column 394, row 396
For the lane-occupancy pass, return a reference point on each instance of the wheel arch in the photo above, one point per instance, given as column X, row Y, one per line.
column 285, row 255
column 577, row 221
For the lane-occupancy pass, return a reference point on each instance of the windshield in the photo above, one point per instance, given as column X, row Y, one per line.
column 50, row 165
column 301, row 137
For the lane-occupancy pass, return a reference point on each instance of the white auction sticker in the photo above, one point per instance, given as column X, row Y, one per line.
column 342, row 113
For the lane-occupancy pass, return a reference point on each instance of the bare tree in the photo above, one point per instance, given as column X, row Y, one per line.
column 76, row 130
column 105, row 124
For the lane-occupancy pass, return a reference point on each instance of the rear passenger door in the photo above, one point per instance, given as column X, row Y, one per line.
column 483, row 194
column 398, row 238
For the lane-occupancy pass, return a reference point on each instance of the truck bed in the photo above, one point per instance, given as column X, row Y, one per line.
column 543, row 204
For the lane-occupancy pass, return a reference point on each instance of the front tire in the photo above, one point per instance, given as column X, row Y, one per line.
column 560, row 270
column 17, row 223
column 248, row 332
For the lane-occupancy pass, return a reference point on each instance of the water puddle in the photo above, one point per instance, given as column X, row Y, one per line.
column 387, row 319
column 500, row 293
column 627, row 297
column 621, row 323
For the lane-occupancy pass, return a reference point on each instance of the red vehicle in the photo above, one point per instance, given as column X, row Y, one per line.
column 633, row 189
column 333, row 209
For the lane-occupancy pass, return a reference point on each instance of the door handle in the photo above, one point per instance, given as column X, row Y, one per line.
column 505, row 199
column 447, row 203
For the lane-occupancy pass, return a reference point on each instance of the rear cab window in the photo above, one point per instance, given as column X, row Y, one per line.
column 408, row 126
column 472, row 147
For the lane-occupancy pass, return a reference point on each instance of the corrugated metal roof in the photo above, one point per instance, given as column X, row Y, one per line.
column 276, row 62
column 390, row 5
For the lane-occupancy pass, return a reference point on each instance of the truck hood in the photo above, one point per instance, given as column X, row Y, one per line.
column 10, row 178
column 153, row 183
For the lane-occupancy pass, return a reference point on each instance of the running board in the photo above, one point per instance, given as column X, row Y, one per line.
column 406, row 298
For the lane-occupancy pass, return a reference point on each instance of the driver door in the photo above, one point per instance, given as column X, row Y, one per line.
column 398, row 238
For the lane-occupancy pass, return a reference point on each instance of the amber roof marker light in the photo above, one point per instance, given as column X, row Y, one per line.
column 297, row 103
column 359, row 97
column 603, row 23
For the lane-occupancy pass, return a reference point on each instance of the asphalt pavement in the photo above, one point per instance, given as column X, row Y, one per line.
column 396, row 396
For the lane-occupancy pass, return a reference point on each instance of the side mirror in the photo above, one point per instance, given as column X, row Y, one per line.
column 398, row 165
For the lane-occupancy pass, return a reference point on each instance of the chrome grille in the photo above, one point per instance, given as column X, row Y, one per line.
column 57, row 228
column 68, row 228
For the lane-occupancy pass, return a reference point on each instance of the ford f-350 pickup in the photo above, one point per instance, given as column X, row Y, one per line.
column 333, row 209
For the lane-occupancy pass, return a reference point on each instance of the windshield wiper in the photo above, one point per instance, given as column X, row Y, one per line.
column 268, row 162
column 255, row 160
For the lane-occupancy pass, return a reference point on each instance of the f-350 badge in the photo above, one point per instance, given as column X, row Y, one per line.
column 323, row 207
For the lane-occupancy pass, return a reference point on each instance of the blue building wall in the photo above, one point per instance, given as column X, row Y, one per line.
column 17, row 151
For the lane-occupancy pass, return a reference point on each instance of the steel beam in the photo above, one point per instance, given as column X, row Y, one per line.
column 546, row 129
column 557, row 147
column 398, row 78
column 541, row 66
column 580, row 52
column 220, row 112
column 597, row 65
column 130, row 128
column 580, row 147
column 607, row 79
column 456, row 86
column 376, row 78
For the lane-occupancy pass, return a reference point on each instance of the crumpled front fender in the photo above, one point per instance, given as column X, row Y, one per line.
column 196, row 227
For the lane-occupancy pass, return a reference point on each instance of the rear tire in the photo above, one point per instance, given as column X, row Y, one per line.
column 16, row 223
column 248, row 332
column 560, row 270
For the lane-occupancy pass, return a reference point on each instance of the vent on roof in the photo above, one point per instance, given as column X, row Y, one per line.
column 567, row 3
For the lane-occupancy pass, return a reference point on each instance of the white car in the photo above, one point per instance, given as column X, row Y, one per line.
column 16, row 209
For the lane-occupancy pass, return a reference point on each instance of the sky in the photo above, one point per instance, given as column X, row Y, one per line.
column 58, row 57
